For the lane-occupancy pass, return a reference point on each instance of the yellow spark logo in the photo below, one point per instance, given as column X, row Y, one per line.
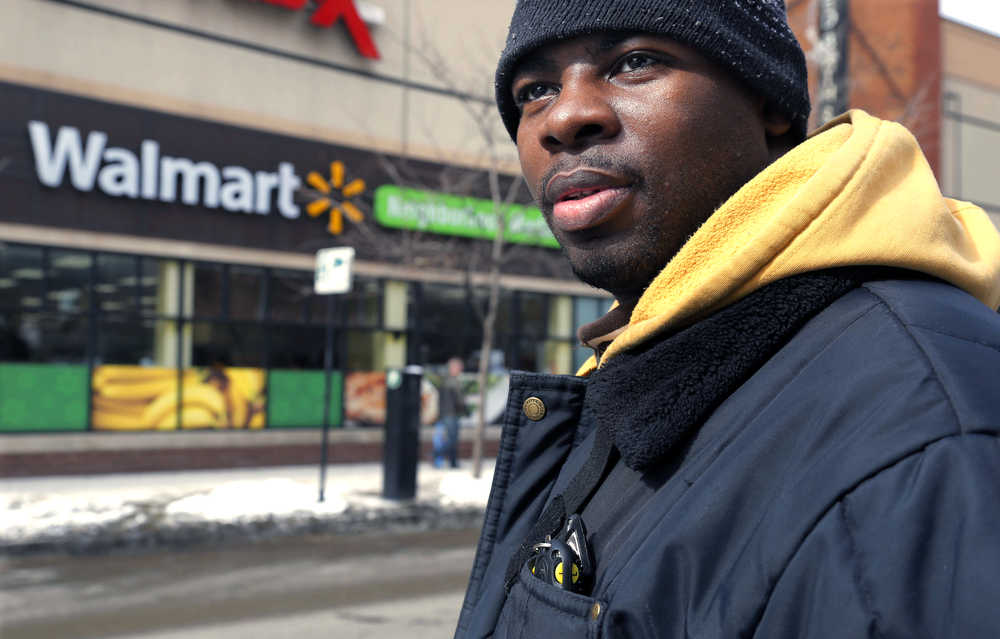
column 337, row 209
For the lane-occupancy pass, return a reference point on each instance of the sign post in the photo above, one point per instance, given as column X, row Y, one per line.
column 333, row 276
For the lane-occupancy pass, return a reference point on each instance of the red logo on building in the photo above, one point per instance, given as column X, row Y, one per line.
column 329, row 12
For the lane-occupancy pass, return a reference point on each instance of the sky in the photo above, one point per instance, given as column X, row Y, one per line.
column 983, row 14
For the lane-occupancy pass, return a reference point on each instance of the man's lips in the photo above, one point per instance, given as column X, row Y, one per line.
column 584, row 197
column 589, row 211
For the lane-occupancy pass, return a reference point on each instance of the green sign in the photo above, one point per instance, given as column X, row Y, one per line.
column 43, row 397
column 417, row 210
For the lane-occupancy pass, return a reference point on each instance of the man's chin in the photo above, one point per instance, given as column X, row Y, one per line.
column 621, row 278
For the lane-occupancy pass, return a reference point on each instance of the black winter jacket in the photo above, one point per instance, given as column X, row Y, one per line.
column 840, row 480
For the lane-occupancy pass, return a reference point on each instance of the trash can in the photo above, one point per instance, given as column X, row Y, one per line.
column 402, row 433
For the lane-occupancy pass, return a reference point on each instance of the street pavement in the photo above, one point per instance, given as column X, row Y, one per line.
column 99, row 513
column 346, row 586
column 432, row 617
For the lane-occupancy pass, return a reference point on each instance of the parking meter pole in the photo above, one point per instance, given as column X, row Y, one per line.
column 327, row 392
column 402, row 433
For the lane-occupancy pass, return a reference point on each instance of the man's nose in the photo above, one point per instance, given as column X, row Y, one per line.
column 582, row 115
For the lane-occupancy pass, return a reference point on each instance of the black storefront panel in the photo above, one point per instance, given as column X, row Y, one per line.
column 77, row 163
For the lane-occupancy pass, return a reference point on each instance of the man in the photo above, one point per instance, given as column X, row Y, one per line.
column 789, row 428
column 451, row 405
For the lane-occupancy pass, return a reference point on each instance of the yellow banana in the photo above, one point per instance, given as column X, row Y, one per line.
column 168, row 421
column 118, row 406
column 198, row 417
column 114, row 421
column 166, row 402
column 249, row 381
column 206, row 396
column 259, row 420
column 114, row 374
column 139, row 390
column 239, row 406
column 133, row 416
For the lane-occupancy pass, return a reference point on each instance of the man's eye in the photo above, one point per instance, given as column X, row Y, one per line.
column 531, row 92
column 635, row 61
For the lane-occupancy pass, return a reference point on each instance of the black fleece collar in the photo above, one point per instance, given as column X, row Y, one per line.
column 654, row 396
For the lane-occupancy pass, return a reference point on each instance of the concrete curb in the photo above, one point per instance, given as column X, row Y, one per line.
column 148, row 528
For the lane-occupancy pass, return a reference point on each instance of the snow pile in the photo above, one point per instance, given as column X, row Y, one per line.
column 462, row 489
column 128, row 511
column 250, row 500
column 47, row 515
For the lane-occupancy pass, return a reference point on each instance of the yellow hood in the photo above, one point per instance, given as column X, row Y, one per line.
column 857, row 192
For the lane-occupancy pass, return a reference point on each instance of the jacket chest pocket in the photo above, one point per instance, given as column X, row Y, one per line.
column 537, row 609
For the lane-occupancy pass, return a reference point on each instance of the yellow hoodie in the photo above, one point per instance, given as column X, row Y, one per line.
column 857, row 192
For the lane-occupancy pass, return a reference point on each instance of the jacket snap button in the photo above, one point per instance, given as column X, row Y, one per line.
column 534, row 409
column 595, row 611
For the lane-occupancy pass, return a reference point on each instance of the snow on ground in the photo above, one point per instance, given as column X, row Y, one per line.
column 462, row 489
column 248, row 500
column 49, row 509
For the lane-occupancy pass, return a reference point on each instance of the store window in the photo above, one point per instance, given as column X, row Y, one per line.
column 154, row 290
column 44, row 296
column 246, row 293
column 534, row 317
column 508, row 310
column 557, row 357
column 130, row 341
column 586, row 310
column 68, row 281
column 362, row 350
column 228, row 344
column 362, row 305
column 117, row 287
column 296, row 346
column 21, row 276
column 208, row 290
column 290, row 297
column 449, row 324
column 52, row 337
column 524, row 354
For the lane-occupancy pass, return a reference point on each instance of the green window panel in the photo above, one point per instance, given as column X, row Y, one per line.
column 295, row 398
column 43, row 397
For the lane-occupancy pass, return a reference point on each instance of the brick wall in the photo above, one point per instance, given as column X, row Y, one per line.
column 894, row 54
column 173, row 459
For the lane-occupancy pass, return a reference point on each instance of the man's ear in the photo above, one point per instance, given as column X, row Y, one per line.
column 778, row 134
column 775, row 123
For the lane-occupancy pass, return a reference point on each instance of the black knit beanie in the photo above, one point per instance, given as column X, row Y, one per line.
column 749, row 38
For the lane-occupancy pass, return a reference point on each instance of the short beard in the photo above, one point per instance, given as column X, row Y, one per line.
column 626, row 269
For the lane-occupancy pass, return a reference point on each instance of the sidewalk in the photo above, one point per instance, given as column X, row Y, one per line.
column 145, row 510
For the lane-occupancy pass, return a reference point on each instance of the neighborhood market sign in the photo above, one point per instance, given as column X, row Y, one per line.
column 419, row 210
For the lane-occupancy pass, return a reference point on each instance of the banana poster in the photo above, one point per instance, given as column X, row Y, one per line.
column 149, row 398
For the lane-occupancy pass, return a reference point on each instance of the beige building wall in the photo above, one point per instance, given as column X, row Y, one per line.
column 970, row 158
column 250, row 63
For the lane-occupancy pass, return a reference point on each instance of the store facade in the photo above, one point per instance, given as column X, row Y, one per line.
column 158, row 237
column 124, row 329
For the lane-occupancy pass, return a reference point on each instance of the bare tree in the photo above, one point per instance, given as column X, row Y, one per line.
column 482, row 114
column 423, row 248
